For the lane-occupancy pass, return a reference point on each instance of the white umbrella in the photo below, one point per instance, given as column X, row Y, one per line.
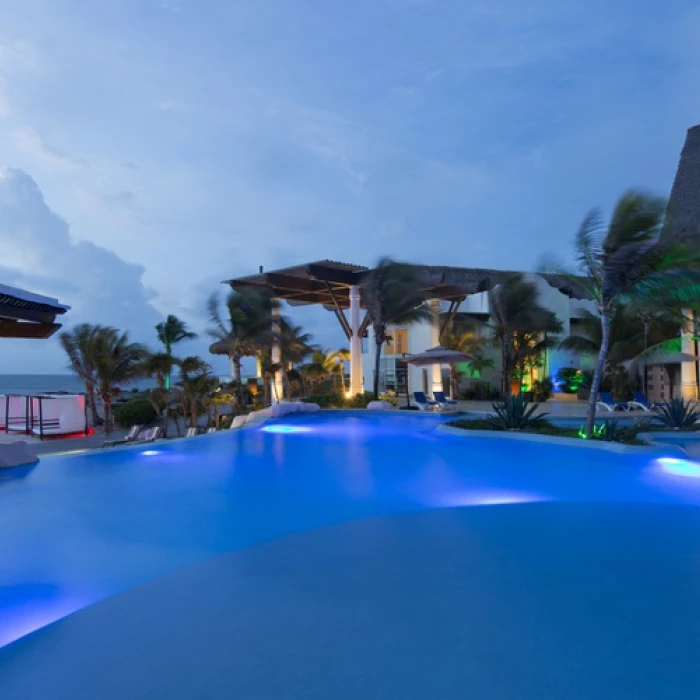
column 437, row 356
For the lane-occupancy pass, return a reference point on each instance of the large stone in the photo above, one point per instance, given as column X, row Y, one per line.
column 17, row 454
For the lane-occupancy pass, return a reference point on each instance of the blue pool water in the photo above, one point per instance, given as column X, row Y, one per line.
column 278, row 531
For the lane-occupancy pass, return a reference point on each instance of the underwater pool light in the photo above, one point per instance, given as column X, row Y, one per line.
column 680, row 467
column 286, row 429
column 150, row 453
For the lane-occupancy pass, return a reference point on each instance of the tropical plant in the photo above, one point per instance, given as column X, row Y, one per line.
column 196, row 385
column 138, row 411
column 245, row 329
column 678, row 414
column 514, row 413
column 117, row 362
column 171, row 332
column 515, row 310
column 463, row 335
column 79, row 345
column 392, row 295
column 159, row 366
column 295, row 346
column 542, row 389
column 628, row 260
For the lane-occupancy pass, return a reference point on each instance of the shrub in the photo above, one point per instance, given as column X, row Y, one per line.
column 542, row 389
column 678, row 414
column 361, row 400
column 514, row 413
column 390, row 397
column 134, row 412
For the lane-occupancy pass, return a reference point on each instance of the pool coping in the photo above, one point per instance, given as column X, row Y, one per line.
column 617, row 447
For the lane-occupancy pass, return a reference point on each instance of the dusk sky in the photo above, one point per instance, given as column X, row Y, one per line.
column 152, row 148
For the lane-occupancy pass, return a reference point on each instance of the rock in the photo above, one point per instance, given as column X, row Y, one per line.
column 16, row 454
column 379, row 406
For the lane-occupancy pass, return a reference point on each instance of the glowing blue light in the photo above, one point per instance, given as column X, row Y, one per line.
column 286, row 429
column 680, row 467
column 149, row 453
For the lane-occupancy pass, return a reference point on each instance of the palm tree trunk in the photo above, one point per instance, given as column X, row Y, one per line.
column 377, row 364
column 505, row 367
column 237, row 378
column 92, row 403
column 599, row 370
column 107, row 403
column 341, row 369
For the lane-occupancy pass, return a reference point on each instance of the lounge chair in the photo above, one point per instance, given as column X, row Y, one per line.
column 439, row 396
column 191, row 432
column 423, row 403
column 606, row 401
column 148, row 435
column 210, row 431
column 640, row 401
column 129, row 437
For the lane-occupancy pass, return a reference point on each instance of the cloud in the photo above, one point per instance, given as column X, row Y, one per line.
column 27, row 140
column 37, row 252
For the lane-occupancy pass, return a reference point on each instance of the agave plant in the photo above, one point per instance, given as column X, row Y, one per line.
column 514, row 413
column 678, row 414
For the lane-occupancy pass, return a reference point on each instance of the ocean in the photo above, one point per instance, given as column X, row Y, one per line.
column 41, row 383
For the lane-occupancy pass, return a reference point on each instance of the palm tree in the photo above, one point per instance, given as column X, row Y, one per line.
column 515, row 310
column 159, row 366
column 244, row 330
column 462, row 335
column 170, row 332
column 79, row 345
column 342, row 356
column 295, row 347
column 196, row 384
column 392, row 295
column 117, row 362
column 627, row 260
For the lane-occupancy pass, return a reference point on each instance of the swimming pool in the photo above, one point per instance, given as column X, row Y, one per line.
column 327, row 549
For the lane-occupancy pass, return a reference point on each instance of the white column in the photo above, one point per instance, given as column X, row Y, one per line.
column 436, row 381
column 356, row 382
column 276, row 357
column 689, row 387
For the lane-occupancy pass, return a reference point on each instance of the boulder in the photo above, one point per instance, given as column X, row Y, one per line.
column 379, row 406
column 17, row 454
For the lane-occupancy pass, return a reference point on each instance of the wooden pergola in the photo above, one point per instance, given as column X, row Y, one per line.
column 27, row 315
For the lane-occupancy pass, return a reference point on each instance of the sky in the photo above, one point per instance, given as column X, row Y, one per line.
column 150, row 149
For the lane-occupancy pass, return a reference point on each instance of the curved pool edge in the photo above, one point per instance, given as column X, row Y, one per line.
column 616, row 447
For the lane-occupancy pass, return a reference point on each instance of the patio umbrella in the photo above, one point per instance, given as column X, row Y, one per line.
column 437, row 356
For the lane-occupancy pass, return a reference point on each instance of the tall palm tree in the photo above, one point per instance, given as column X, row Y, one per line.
column 79, row 345
column 342, row 356
column 392, row 295
column 295, row 347
column 159, row 366
column 625, row 260
column 244, row 329
column 515, row 309
column 171, row 332
column 117, row 362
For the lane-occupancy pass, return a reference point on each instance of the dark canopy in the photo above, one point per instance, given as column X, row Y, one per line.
column 27, row 315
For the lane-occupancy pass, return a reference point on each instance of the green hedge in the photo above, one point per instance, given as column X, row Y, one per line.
column 134, row 412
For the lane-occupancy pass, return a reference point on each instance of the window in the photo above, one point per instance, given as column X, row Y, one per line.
column 398, row 345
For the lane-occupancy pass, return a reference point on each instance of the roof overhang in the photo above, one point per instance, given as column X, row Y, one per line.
column 24, row 314
column 328, row 283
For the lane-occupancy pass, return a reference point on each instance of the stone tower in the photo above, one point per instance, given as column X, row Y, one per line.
column 683, row 214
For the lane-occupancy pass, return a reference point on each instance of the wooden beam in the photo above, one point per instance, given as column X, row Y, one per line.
column 449, row 316
column 365, row 325
column 20, row 313
column 36, row 331
column 339, row 313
